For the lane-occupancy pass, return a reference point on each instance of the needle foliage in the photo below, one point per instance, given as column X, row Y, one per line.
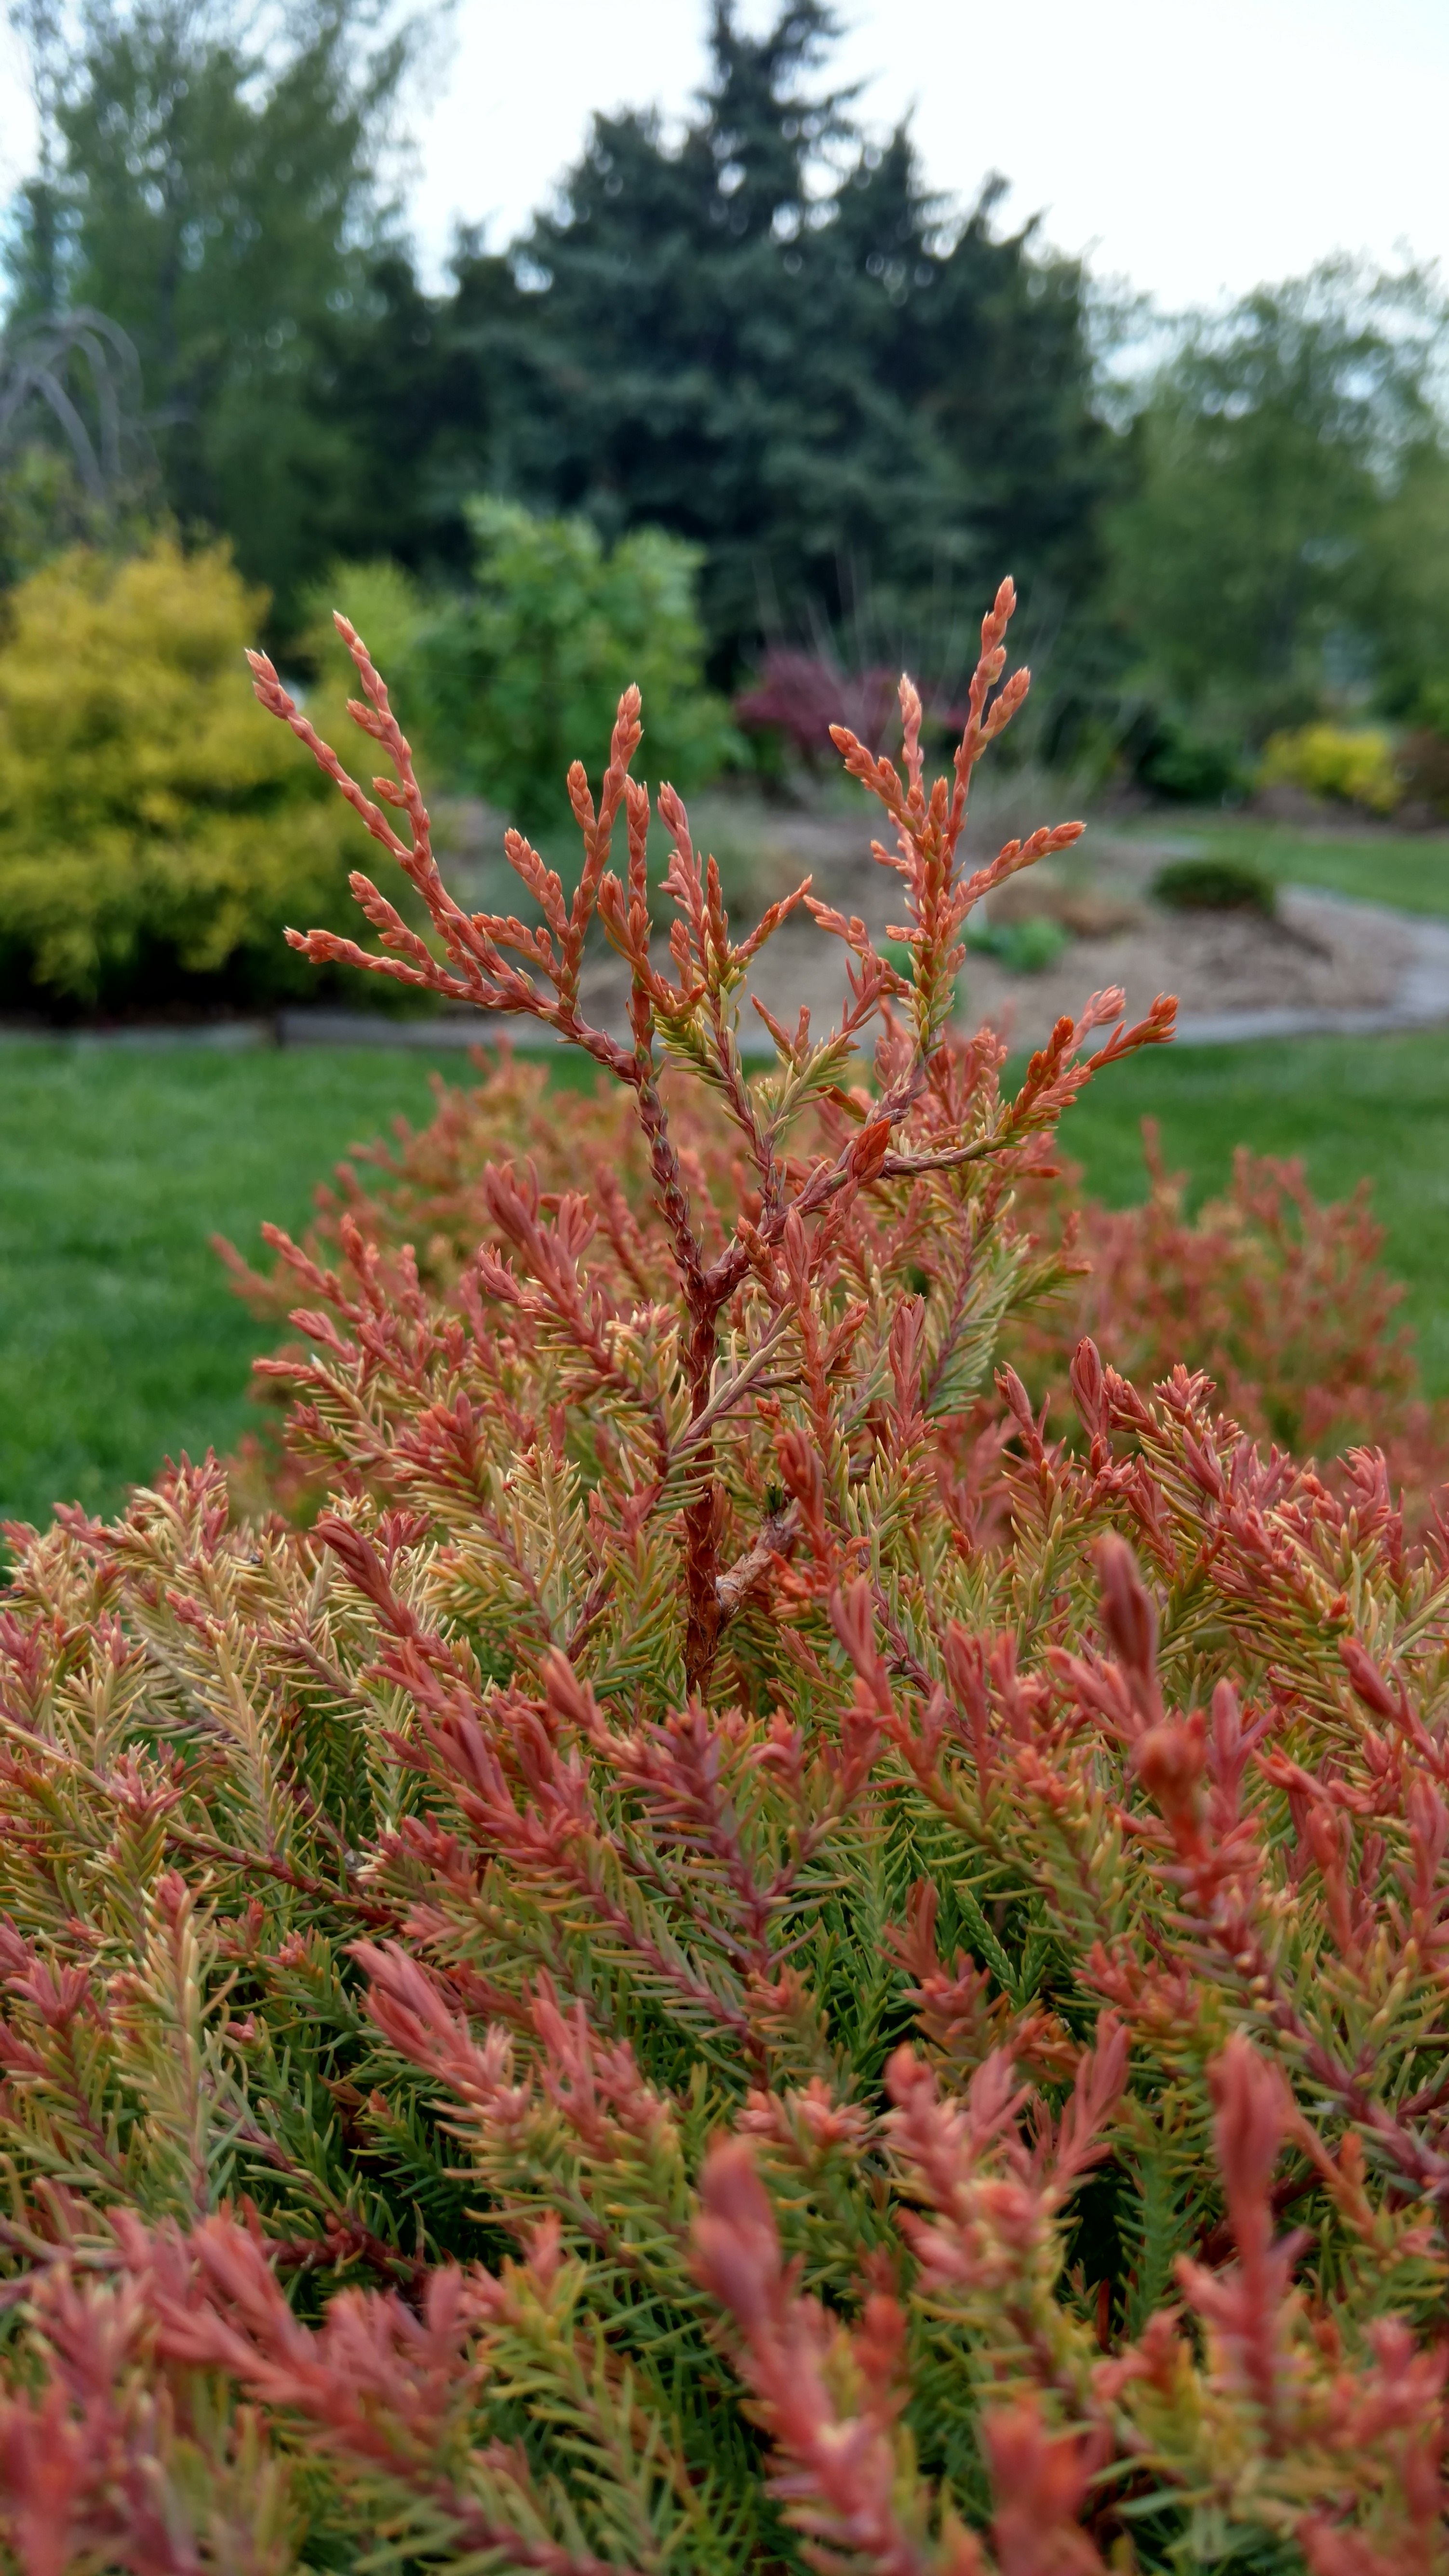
column 715, row 1971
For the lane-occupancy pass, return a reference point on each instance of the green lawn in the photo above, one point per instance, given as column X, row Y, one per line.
column 120, row 1341
column 1410, row 871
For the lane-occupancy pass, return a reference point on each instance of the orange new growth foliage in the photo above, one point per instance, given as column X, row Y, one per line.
column 715, row 1970
column 1282, row 1302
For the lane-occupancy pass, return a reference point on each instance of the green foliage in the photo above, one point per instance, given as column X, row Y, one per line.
column 767, row 338
column 774, row 343
column 737, row 1961
column 1405, row 591
column 1408, row 871
column 76, row 463
column 1424, row 767
column 1431, row 705
column 1026, row 947
column 1183, row 764
column 777, row 342
column 1292, row 474
column 44, row 510
column 1424, row 750
column 390, row 605
column 533, row 655
column 153, row 843
column 212, row 188
column 385, row 600
column 1213, row 885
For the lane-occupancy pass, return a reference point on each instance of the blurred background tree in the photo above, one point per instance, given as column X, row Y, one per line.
column 844, row 402
column 768, row 339
column 213, row 185
column 771, row 339
column 1286, row 536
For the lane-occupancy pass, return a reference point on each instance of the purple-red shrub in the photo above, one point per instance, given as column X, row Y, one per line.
column 806, row 697
column 662, row 1989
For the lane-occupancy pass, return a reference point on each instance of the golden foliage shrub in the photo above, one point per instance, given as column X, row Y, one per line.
column 1356, row 768
column 155, row 833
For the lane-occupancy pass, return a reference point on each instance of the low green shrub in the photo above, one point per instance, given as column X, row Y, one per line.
column 1023, row 947
column 1214, row 885
column 155, row 837
column 1173, row 760
column 717, row 1971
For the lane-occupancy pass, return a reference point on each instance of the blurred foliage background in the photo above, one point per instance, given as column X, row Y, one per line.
column 154, row 837
column 736, row 400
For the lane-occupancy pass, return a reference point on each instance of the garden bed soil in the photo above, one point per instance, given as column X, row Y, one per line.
column 1318, row 955
column 1322, row 961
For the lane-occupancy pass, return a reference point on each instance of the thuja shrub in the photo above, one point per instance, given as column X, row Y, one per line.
column 662, row 1991
column 1281, row 1299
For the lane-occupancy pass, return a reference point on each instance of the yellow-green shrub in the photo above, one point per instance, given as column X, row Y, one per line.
column 387, row 605
column 155, row 836
column 1356, row 767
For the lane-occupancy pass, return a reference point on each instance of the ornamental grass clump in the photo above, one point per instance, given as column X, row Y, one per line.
column 715, row 1971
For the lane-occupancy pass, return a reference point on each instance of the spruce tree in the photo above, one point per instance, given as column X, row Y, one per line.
column 775, row 340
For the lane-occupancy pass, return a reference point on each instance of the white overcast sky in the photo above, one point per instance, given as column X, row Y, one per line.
column 1192, row 147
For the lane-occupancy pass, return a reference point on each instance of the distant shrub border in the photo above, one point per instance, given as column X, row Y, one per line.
column 710, row 1972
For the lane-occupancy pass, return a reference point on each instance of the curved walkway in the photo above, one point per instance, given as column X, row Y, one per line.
column 1420, row 1000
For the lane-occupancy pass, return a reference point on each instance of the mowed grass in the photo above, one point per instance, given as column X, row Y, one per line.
column 1408, row 871
column 120, row 1340
column 121, row 1343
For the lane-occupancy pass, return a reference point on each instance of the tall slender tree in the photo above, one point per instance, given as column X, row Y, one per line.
column 213, row 187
